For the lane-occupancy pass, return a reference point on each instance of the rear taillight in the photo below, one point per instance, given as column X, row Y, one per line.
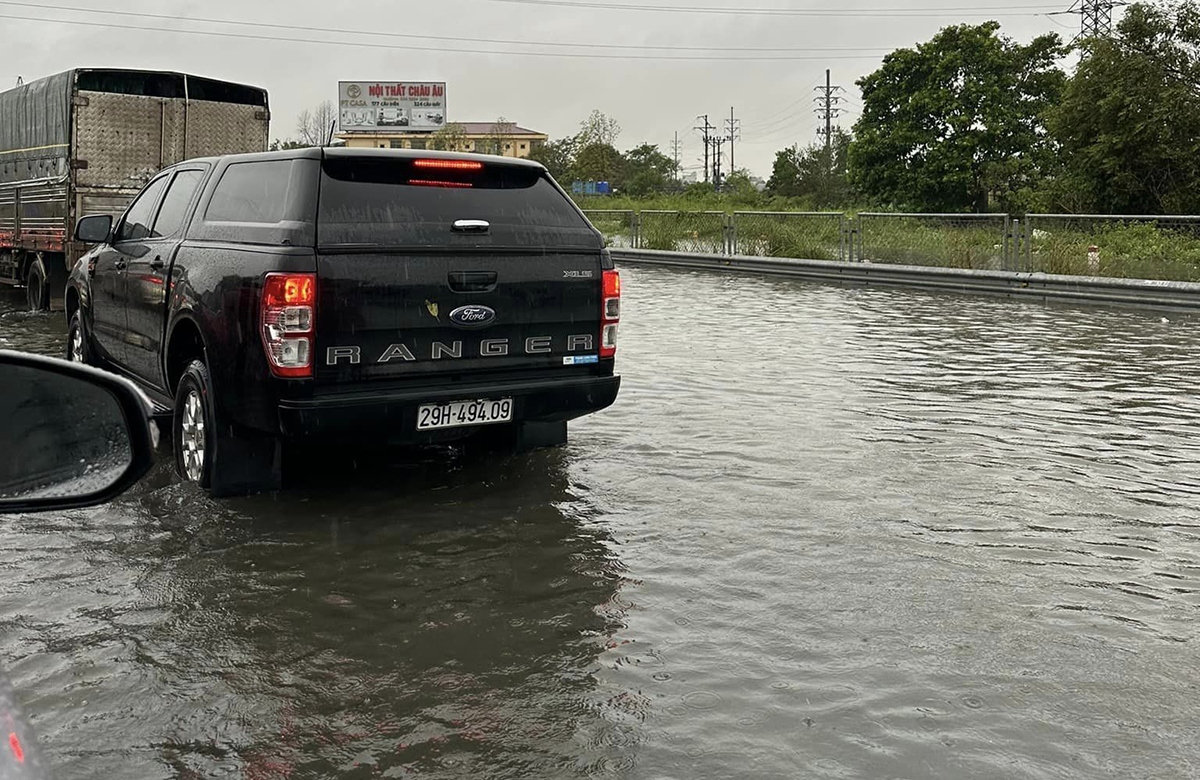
column 610, row 313
column 288, row 316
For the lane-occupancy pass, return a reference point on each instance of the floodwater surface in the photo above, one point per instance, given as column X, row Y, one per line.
column 824, row 533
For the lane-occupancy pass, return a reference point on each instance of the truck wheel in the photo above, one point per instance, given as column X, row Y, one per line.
column 210, row 452
column 193, row 425
column 77, row 344
column 37, row 292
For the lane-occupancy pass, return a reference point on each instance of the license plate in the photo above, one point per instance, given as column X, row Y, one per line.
column 458, row 414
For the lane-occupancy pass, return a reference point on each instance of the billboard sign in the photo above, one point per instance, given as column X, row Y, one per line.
column 391, row 106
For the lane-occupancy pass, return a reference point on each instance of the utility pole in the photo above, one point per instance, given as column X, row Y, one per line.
column 707, row 129
column 675, row 154
column 733, row 127
column 827, row 109
column 717, row 142
column 1095, row 18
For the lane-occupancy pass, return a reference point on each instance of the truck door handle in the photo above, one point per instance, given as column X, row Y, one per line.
column 119, row 265
column 156, row 264
column 472, row 282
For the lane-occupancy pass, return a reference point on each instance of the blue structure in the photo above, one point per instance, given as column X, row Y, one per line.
column 591, row 188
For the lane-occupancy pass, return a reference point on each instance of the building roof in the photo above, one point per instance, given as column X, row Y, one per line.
column 487, row 128
column 469, row 128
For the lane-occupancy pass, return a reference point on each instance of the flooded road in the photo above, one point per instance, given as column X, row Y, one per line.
column 824, row 533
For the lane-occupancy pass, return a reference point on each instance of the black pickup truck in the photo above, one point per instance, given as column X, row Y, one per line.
column 347, row 296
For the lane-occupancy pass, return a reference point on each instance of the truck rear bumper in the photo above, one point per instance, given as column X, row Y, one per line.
column 393, row 415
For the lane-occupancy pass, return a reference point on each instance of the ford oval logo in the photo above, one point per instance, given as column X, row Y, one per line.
column 473, row 316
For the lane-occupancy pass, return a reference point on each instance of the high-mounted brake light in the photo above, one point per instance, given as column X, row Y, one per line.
column 288, row 315
column 449, row 165
column 433, row 183
column 610, row 313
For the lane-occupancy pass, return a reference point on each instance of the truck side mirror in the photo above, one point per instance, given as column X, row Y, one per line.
column 94, row 230
column 73, row 436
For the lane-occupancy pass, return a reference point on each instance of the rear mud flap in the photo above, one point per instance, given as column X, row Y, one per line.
column 244, row 465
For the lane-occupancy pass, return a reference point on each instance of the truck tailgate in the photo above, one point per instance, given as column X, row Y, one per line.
column 420, row 314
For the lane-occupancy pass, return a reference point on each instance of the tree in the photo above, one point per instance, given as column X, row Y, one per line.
column 450, row 138
column 1129, row 120
column 598, row 128
column 499, row 139
column 814, row 172
column 286, row 143
column 601, row 162
column 647, row 170
column 958, row 123
column 313, row 126
column 558, row 157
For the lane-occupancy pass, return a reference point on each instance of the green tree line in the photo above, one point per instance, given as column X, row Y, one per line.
column 973, row 121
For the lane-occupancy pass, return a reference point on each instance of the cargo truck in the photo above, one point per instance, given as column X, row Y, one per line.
column 87, row 140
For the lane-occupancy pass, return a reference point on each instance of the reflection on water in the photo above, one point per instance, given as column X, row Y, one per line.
column 825, row 532
column 449, row 623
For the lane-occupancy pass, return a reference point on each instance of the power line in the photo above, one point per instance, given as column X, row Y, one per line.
column 415, row 36
column 787, row 112
column 409, row 47
column 783, row 121
column 1025, row 10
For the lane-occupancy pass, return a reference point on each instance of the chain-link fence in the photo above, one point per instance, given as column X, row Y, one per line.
column 1124, row 247
column 1134, row 247
column 807, row 235
column 618, row 227
column 702, row 232
column 983, row 242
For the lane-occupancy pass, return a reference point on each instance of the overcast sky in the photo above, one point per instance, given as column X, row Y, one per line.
column 651, row 98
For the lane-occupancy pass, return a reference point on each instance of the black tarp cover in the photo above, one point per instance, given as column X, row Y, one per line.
column 35, row 129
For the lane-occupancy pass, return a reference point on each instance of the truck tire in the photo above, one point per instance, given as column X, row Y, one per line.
column 37, row 292
column 193, row 425
column 210, row 452
column 78, row 350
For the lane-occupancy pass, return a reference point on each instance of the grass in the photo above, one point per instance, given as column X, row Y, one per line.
column 935, row 241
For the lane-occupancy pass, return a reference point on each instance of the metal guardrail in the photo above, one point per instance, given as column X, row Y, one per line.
column 1129, row 292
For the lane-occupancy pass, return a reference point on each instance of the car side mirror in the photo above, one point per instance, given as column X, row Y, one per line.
column 72, row 436
column 94, row 230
